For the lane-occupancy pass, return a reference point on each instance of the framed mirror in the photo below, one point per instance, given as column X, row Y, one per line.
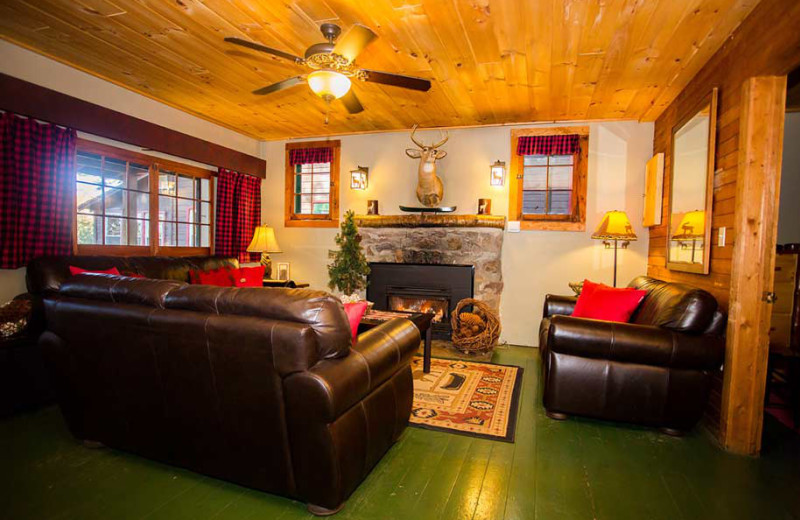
column 691, row 189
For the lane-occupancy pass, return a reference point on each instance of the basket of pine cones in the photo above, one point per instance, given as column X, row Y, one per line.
column 475, row 331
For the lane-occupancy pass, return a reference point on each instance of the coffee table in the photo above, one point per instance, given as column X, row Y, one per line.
column 422, row 320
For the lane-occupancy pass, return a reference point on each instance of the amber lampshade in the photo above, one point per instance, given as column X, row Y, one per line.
column 264, row 241
column 692, row 226
column 615, row 226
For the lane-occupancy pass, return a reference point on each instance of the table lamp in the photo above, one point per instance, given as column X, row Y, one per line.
column 617, row 227
column 692, row 228
column 264, row 242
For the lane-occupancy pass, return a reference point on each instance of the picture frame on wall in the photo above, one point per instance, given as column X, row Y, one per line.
column 653, row 191
column 282, row 272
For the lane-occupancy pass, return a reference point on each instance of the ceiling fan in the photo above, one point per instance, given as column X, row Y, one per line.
column 333, row 67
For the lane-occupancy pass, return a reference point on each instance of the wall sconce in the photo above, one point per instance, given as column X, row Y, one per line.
column 359, row 178
column 497, row 175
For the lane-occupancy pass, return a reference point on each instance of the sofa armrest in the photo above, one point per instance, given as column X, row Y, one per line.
column 627, row 342
column 332, row 386
column 555, row 304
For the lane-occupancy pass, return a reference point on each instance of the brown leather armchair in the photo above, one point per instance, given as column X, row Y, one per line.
column 654, row 371
column 256, row 386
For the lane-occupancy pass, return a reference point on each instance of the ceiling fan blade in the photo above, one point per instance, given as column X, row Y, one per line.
column 264, row 48
column 354, row 41
column 397, row 80
column 280, row 85
column 351, row 102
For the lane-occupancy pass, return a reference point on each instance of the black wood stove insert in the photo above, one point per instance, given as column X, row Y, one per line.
column 433, row 288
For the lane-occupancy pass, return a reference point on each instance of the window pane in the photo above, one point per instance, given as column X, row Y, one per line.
column 138, row 177
column 205, row 212
column 205, row 189
column 138, row 204
column 166, row 233
column 88, row 168
column 303, row 204
column 115, row 201
column 186, row 211
column 166, row 208
column 561, row 159
column 166, row 183
column 205, row 233
column 561, row 177
column 116, row 231
column 534, row 179
column 303, row 183
column 535, row 160
column 187, row 234
column 114, row 172
column 90, row 199
column 186, row 187
column 322, row 183
column 90, row 229
column 560, row 202
column 533, row 202
column 138, row 232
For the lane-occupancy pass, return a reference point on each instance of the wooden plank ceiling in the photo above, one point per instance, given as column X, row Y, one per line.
column 490, row 61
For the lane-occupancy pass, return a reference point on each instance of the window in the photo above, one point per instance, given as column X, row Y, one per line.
column 131, row 203
column 312, row 184
column 548, row 191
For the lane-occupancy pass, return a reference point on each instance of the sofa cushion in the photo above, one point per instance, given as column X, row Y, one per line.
column 119, row 289
column 674, row 306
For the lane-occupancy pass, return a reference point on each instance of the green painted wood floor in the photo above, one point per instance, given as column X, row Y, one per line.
column 555, row 470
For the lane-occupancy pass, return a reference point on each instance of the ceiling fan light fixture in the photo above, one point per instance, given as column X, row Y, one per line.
column 328, row 84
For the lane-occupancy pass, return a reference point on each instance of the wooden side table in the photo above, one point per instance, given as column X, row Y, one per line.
column 291, row 284
column 422, row 320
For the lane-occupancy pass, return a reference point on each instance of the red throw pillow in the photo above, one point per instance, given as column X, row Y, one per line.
column 355, row 311
column 249, row 276
column 222, row 277
column 601, row 302
column 77, row 270
column 133, row 275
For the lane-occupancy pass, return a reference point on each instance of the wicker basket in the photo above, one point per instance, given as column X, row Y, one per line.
column 485, row 340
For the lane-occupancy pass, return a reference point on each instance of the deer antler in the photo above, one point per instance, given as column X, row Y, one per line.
column 440, row 143
column 418, row 143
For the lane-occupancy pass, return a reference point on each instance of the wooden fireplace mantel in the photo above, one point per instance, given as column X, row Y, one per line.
column 430, row 220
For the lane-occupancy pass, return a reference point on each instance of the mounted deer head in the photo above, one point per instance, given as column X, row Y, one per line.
column 429, row 186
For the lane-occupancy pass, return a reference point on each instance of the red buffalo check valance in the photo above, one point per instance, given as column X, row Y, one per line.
column 37, row 190
column 548, row 144
column 238, row 213
column 310, row 155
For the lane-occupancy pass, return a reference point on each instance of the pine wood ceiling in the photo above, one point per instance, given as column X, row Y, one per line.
column 491, row 61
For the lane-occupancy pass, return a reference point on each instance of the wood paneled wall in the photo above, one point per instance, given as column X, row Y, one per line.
column 767, row 43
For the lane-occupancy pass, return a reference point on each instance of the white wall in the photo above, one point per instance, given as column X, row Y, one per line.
column 789, row 216
column 29, row 66
column 534, row 262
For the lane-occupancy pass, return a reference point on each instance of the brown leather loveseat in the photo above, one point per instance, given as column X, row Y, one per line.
column 655, row 370
column 256, row 386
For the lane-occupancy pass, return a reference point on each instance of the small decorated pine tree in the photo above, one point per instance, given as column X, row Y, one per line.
column 349, row 269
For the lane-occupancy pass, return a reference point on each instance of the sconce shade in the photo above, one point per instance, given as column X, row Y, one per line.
column 615, row 226
column 264, row 241
column 359, row 178
column 692, row 226
column 497, row 174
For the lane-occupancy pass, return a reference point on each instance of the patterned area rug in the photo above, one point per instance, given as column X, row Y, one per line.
column 477, row 399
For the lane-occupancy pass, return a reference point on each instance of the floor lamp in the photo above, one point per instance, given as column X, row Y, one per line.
column 615, row 227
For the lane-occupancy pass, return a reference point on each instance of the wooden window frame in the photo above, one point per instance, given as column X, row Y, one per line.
column 155, row 164
column 576, row 220
column 292, row 219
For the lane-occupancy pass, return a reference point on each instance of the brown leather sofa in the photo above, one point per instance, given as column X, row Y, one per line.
column 654, row 371
column 256, row 386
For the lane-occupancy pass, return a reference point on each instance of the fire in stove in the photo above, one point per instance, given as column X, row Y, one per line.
column 430, row 305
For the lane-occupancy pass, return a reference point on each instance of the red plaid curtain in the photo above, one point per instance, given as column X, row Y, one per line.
column 37, row 190
column 238, row 214
column 548, row 144
column 310, row 155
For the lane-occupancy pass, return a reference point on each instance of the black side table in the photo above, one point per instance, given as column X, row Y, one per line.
column 291, row 284
column 422, row 320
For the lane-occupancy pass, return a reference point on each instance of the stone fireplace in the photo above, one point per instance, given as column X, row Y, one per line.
column 466, row 241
